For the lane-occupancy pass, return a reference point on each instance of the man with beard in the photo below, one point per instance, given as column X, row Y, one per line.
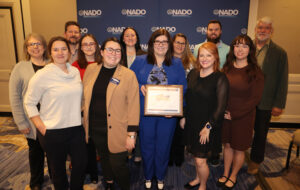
column 213, row 34
column 274, row 63
column 72, row 34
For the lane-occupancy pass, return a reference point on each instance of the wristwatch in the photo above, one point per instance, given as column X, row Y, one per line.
column 208, row 126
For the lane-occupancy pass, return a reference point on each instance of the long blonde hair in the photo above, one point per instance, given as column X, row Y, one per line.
column 187, row 57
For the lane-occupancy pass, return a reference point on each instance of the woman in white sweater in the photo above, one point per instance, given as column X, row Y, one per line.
column 58, row 89
column 36, row 56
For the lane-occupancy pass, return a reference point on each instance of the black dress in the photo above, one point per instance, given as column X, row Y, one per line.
column 206, row 100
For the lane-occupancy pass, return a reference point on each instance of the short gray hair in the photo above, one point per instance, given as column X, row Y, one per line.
column 266, row 20
column 39, row 38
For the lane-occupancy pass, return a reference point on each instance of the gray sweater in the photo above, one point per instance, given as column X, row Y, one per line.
column 18, row 83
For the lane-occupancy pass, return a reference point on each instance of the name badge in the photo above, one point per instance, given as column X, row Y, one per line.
column 115, row 81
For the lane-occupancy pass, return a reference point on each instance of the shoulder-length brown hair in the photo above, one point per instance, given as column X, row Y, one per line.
column 168, row 57
column 82, row 62
column 43, row 43
column 211, row 48
column 113, row 39
column 187, row 57
column 251, row 58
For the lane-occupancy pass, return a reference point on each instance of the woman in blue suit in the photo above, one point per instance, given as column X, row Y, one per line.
column 160, row 68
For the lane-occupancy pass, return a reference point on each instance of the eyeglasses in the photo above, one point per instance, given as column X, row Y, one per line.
column 88, row 44
column 157, row 42
column 111, row 51
column 38, row 44
column 180, row 43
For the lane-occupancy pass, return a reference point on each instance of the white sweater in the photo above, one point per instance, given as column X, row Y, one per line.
column 59, row 95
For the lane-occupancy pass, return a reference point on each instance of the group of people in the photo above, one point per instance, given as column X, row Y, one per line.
column 89, row 99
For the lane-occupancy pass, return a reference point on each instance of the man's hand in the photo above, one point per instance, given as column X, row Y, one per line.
column 276, row 111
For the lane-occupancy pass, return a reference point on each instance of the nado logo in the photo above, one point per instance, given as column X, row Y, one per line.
column 84, row 30
column 201, row 29
column 244, row 30
column 226, row 12
column 134, row 12
column 90, row 13
column 192, row 47
column 115, row 30
column 180, row 12
column 170, row 29
column 144, row 47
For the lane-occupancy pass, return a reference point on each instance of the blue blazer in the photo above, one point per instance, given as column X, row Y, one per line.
column 175, row 74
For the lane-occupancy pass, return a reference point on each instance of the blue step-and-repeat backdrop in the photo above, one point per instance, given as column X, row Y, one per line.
column 107, row 18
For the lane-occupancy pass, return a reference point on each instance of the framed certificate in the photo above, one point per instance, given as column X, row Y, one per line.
column 164, row 100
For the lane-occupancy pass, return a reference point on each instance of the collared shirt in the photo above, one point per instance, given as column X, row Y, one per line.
column 261, row 53
column 73, row 56
column 223, row 50
column 130, row 59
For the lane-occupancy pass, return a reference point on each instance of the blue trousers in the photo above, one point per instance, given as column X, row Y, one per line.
column 156, row 134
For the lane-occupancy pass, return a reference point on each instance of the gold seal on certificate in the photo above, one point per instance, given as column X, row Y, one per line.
column 164, row 100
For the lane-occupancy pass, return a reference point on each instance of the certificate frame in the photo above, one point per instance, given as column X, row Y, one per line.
column 163, row 100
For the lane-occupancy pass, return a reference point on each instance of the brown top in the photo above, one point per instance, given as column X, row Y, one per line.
column 244, row 96
column 122, row 104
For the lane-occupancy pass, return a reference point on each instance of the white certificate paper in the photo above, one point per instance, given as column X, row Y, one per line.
column 163, row 100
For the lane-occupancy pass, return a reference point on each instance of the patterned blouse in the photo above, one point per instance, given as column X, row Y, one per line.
column 157, row 76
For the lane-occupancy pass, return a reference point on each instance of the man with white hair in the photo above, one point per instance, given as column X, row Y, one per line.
column 274, row 63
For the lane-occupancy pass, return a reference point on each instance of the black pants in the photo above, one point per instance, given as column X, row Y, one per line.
column 58, row 143
column 137, row 149
column 114, row 166
column 262, row 122
column 36, row 162
column 92, row 167
column 177, row 148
